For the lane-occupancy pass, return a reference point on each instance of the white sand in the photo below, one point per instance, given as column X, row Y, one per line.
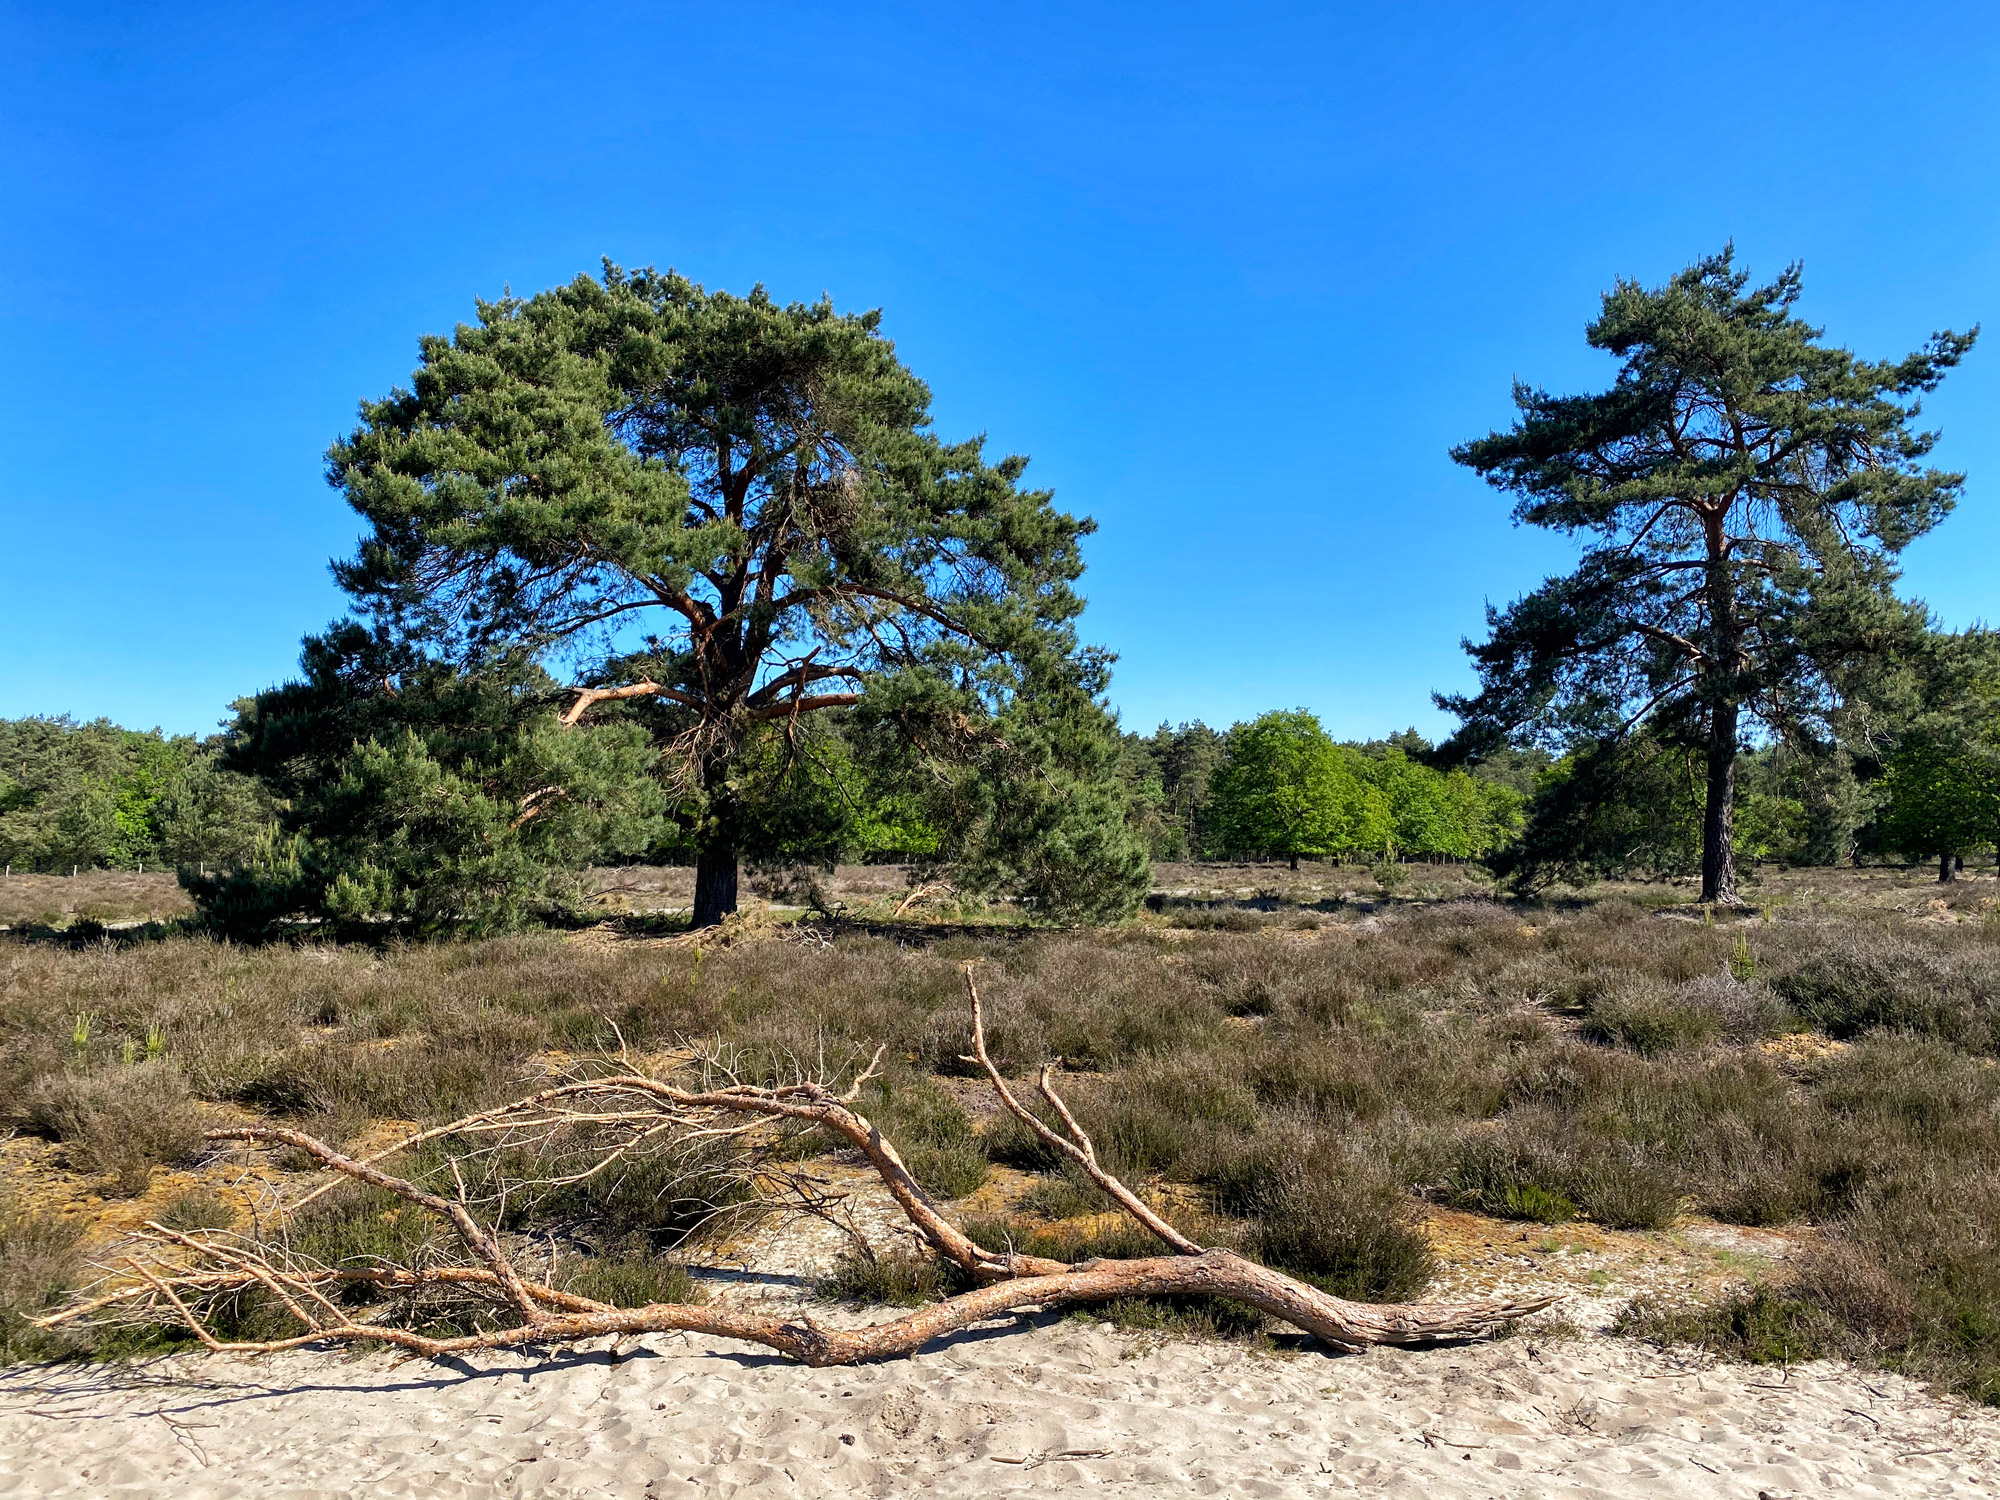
column 1059, row 1407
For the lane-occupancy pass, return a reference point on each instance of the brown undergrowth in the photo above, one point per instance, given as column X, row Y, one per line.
column 1613, row 1062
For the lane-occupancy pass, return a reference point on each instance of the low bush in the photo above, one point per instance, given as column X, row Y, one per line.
column 1066, row 1193
column 1547, row 1166
column 932, row 1131
column 895, row 1278
column 38, row 1263
column 198, row 1210
column 1345, row 1227
column 627, row 1274
column 1876, row 982
column 1494, row 1175
column 665, row 1196
column 1121, row 1239
column 1652, row 1018
column 122, row 1121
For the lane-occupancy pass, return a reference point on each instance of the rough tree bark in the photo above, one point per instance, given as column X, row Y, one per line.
column 715, row 878
column 1718, row 824
column 187, row 1272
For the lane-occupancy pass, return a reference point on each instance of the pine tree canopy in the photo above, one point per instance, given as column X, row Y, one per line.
column 717, row 513
column 1742, row 491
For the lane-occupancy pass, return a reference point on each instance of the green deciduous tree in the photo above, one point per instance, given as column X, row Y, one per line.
column 96, row 795
column 725, row 514
column 1744, row 490
column 1285, row 788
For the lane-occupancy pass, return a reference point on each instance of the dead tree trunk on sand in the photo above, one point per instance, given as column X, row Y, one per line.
column 186, row 1275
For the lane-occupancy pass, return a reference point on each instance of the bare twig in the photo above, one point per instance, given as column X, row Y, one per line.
column 1077, row 1146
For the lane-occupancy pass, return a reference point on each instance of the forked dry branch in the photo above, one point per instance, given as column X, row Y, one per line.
column 187, row 1275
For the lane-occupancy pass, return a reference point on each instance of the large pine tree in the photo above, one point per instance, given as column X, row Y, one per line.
column 1743, row 489
column 718, row 514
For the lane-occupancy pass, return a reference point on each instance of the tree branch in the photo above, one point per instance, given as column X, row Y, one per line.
column 802, row 705
column 588, row 698
column 1077, row 1147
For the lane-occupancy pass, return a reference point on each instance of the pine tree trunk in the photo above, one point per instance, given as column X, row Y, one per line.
column 1718, row 824
column 714, row 884
column 1947, row 869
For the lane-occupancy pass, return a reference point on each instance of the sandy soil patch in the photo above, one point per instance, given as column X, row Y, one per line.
column 1066, row 1407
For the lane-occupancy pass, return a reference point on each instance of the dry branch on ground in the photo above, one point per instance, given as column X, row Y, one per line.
column 626, row 1108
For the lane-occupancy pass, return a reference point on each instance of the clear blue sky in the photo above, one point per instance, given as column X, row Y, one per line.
column 1235, row 276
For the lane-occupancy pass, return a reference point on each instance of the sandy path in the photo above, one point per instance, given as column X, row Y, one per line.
column 1064, row 1407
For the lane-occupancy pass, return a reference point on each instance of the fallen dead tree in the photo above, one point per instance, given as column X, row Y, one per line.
column 188, row 1275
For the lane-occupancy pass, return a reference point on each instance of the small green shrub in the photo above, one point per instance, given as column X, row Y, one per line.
column 1742, row 962
column 896, row 1278
column 1495, row 1176
column 198, row 1210
column 1066, row 1193
column 932, row 1132
column 949, row 1169
column 38, row 1263
column 355, row 1226
column 1189, row 1317
column 1651, row 1020
column 1186, row 1317
column 665, row 1196
column 1875, row 983
column 1013, row 1144
column 1547, row 1167
column 1345, row 1229
column 1761, row 1324
column 1621, row 1189
column 1532, row 1201
column 626, row 1274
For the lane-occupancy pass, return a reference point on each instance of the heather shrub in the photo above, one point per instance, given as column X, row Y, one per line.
column 893, row 1278
column 1652, row 1018
column 1343, row 1225
column 199, row 1209
column 932, row 1131
column 1873, row 981
column 38, row 1263
column 122, row 1121
column 627, row 1273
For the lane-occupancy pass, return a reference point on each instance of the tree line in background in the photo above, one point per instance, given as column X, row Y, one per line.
column 409, row 802
column 657, row 573
column 95, row 796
